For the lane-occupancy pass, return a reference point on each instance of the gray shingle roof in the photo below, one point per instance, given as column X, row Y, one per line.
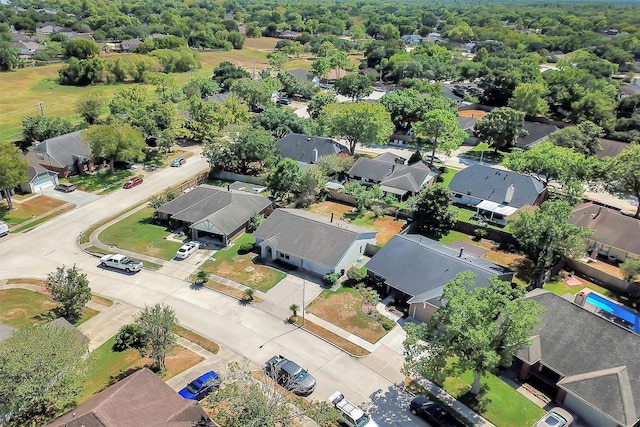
column 389, row 171
column 65, row 149
column 486, row 183
column 597, row 358
column 536, row 133
column 227, row 210
column 309, row 236
column 302, row 74
column 420, row 267
column 611, row 148
column 300, row 147
column 609, row 226
column 5, row 331
column 141, row 399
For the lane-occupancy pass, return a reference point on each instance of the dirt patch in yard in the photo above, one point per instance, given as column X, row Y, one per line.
column 326, row 208
column 344, row 310
column 29, row 209
column 476, row 114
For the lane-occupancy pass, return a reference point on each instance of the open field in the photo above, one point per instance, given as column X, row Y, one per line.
column 27, row 89
column 29, row 209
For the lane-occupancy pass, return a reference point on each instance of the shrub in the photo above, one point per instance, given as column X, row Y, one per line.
column 356, row 274
column 245, row 248
column 387, row 324
column 369, row 293
column 248, row 294
column 129, row 336
column 480, row 233
column 330, row 279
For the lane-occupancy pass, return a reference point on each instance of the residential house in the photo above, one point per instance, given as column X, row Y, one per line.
column 611, row 148
column 393, row 175
column 312, row 242
column 613, row 234
column 130, row 45
column 65, row 154
column 412, row 39
column 592, row 362
column 468, row 124
column 26, row 48
column 555, row 56
column 630, row 89
column 307, row 149
column 495, row 193
column 141, row 399
column 534, row 134
column 289, row 35
column 63, row 323
column 433, row 37
column 334, row 74
column 214, row 212
column 47, row 28
column 415, row 269
column 305, row 76
column 39, row 176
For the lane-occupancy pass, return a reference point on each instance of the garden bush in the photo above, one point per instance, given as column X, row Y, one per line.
column 330, row 279
column 245, row 248
column 129, row 336
column 356, row 274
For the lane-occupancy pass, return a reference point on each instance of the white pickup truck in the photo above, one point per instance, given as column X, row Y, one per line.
column 121, row 262
column 188, row 249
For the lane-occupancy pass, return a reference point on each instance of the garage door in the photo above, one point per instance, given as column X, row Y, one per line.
column 43, row 181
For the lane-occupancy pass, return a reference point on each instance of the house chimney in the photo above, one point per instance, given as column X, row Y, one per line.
column 331, row 220
column 509, row 195
column 598, row 213
column 461, row 251
column 314, row 155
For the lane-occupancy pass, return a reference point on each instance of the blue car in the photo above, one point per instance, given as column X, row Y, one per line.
column 200, row 387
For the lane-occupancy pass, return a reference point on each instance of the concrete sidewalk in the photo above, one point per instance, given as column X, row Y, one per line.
column 107, row 323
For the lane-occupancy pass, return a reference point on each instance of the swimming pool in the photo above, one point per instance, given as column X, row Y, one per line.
column 629, row 316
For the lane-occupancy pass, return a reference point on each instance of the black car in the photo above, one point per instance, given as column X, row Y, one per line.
column 433, row 412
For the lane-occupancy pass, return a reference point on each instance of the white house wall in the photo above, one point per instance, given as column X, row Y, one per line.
column 355, row 251
column 587, row 413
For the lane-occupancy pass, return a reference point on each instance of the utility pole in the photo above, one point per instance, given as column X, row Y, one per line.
column 253, row 77
column 41, row 108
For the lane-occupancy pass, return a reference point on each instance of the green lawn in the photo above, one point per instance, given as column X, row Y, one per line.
column 100, row 180
column 139, row 233
column 451, row 236
column 448, row 176
column 488, row 155
column 22, row 307
column 243, row 268
column 501, row 404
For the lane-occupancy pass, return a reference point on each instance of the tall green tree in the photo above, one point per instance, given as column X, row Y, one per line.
column 320, row 67
column 284, row 178
column 500, row 128
column 354, row 86
column 484, row 327
column 622, row 176
column 9, row 57
column 42, row 370
column 200, row 87
column 254, row 92
column 281, row 122
column 70, row 288
column 13, row 169
column 81, row 49
column 441, row 129
column 311, row 183
column 90, row 106
column 39, row 128
column 243, row 149
column 116, row 141
column 277, row 60
column 529, row 98
column 583, row 138
column 226, row 73
column 432, row 209
column 318, row 102
column 157, row 323
column 595, row 106
column 339, row 60
column 546, row 235
column 364, row 122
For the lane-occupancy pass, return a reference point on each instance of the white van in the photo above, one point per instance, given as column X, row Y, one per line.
column 4, row 228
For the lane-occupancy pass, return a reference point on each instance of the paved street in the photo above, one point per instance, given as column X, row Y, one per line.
column 240, row 330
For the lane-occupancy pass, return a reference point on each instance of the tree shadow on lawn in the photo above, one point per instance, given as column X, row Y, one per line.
column 479, row 402
column 54, row 314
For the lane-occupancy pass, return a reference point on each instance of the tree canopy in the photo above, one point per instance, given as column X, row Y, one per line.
column 364, row 122
column 500, row 128
column 157, row 323
column 70, row 288
column 115, row 142
column 13, row 169
column 484, row 327
column 432, row 209
column 622, row 175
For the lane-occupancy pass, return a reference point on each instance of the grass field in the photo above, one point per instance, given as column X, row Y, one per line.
column 138, row 233
column 243, row 268
column 29, row 209
column 29, row 89
column 108, row 366
column 343, row 308
column 22, row 307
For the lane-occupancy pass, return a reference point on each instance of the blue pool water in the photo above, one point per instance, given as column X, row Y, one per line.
column 620, row 312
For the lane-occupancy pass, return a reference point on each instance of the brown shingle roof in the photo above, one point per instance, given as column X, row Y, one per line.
column 140, row 400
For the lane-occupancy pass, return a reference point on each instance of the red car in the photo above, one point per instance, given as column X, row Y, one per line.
column 133, row 182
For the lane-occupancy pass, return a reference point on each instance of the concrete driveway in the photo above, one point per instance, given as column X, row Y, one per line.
column 77, row 197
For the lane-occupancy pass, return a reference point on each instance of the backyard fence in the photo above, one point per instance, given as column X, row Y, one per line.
column 231, row 176
column 604, row 279
column 494, row 234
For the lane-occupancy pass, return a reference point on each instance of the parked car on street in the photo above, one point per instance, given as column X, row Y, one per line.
column 556, row 417
column 4, row 228
column 132, row 182
column 284, row 101
column 201, row 386
column 65, row 187
column 188, row 249
column 433, row 412
column 121, row 262
column 290, row 375
column 178, row 162
column 353, row 416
